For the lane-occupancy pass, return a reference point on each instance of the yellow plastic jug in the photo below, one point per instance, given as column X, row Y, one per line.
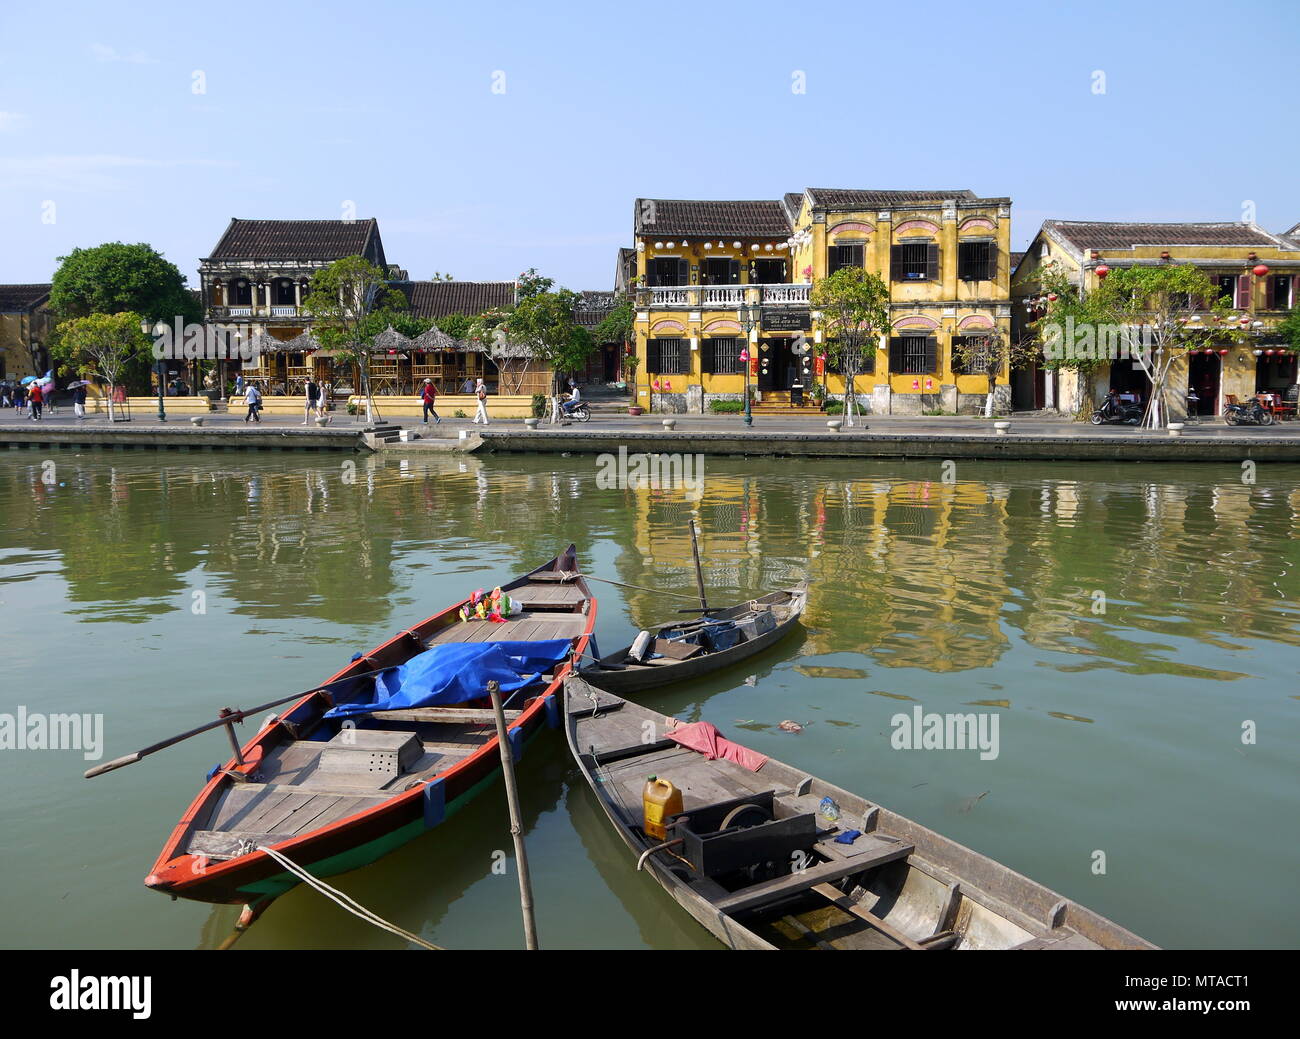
column 660, row 802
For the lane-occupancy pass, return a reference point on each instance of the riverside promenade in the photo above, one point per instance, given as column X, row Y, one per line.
column 1029, row 437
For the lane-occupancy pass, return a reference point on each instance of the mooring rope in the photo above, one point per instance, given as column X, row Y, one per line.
column 346, row 902
column 641, row 588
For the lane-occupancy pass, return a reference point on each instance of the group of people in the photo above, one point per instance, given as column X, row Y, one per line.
column 316, row 398
column 37, row 400
column 429, row 398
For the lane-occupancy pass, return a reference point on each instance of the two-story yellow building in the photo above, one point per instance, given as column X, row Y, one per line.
column 25, row 325
column 1257, row 271
column 718, row 281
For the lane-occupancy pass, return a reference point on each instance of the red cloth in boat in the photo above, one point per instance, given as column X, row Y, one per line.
column 705, row 738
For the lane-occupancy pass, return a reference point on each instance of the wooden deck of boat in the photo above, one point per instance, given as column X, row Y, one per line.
column 522, row 627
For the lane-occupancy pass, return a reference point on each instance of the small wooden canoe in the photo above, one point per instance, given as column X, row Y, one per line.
column 334, row 794
column 758, row 623
column 754, row 859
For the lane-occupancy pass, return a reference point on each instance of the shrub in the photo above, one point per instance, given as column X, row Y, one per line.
column 726, row 407
column 835, row 407
column 539, row 405
column 460, row 413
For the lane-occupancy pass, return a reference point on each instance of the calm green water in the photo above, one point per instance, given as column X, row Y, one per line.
column 1120, row 731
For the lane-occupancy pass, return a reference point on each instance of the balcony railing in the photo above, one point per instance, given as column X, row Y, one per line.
column 261, row 310
column 722, row 297
column 283, row 311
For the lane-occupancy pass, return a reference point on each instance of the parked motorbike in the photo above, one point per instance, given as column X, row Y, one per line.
column 1117, row 412
column 581, row 412
column 1247, row 413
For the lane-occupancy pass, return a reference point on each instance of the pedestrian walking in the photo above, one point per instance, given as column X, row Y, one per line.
column 36, row 398
column 480, row 391
column 253, row 398
column 79, row 401
column 313, row 401
column 239, row 384
column 429, row 396
column 20, row 397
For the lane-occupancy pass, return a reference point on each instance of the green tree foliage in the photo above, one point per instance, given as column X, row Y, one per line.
column 115, row 278
column 103, row 347
column 351, row 302
column 854, row 305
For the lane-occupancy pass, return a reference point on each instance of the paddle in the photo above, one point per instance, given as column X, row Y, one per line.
column 226, row 719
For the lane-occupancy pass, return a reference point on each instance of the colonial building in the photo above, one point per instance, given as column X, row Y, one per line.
column 715, row 279
column 1256, row 270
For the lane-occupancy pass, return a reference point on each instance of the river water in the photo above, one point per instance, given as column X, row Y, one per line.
column 1132, row 628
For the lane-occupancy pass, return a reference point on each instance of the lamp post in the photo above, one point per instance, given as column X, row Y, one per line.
column 750, row 318
column 161, row 364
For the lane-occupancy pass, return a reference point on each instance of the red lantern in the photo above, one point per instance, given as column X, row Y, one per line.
column 668, row 386
column 656, row 385
column 1223, row 353
column 1052, row 296
column 1260, row 270
column 1268, row 353
column 1102, row 271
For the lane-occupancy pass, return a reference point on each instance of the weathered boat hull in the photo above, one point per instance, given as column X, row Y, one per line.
column 367, row 835
column 637, row 679
column 919, row 890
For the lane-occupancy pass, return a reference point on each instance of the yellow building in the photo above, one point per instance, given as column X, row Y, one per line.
column 1259, row 272
column 715, row 278
column 25, row 325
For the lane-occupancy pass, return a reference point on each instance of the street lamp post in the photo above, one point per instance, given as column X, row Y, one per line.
column 161, row 364
column 750, row 317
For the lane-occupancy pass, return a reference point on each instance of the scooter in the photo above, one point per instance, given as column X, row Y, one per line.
column 1248, row 413
column 1117, row 412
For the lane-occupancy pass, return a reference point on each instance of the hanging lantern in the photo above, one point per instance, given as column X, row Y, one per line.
column 708, row 246
column 1051, row 296
column 735, row 245
column 1223, row 353
column 1268, row 353
column 1260, row 270
column 744, row 355
column 659, row 245
column 1102, row 271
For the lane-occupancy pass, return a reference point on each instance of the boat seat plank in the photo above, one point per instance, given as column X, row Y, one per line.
column 1072, row 940
column 843, row 901
column 757, row 895
column 443, row 715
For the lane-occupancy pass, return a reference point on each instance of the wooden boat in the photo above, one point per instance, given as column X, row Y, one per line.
column 333, row 794
column 753, row 856
column 760, row 622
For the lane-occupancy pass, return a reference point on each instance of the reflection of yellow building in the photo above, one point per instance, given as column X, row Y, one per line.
column 1257, row 271
column 716, row 279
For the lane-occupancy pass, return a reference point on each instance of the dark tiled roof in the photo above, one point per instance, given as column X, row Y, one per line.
column 16, row 299
column 1105, row 235
column 793, row 203
column 852, row 198
column 299, row 240
column 593, row 307
column 753, row 219
column 439, row 298
column 1016, row 257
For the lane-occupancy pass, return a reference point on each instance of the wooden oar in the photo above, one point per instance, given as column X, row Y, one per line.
column 227, row 719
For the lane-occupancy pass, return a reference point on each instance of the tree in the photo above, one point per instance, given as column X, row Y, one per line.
column 854, row 304
column 114, row 278
column 1176, row 310
column 351, row 302
column 543, row 323
column 990, row 355
column 101, row 346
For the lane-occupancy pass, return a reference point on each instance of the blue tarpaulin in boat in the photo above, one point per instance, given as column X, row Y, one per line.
column 453, row 672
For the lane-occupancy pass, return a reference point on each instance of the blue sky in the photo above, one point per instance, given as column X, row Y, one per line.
column 306, row 108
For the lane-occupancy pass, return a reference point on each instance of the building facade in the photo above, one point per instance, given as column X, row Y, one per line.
column 25, row 324
column 716, row 281
column 1256, row 270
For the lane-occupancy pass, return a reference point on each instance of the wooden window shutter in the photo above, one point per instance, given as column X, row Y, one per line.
column 991, row 272
column 896, row 352
column 895, row 267
column 931, row 353
column 653, row 356
column 733, row 272
column 1243, row 291
column 932, row 263
column 683, row 272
